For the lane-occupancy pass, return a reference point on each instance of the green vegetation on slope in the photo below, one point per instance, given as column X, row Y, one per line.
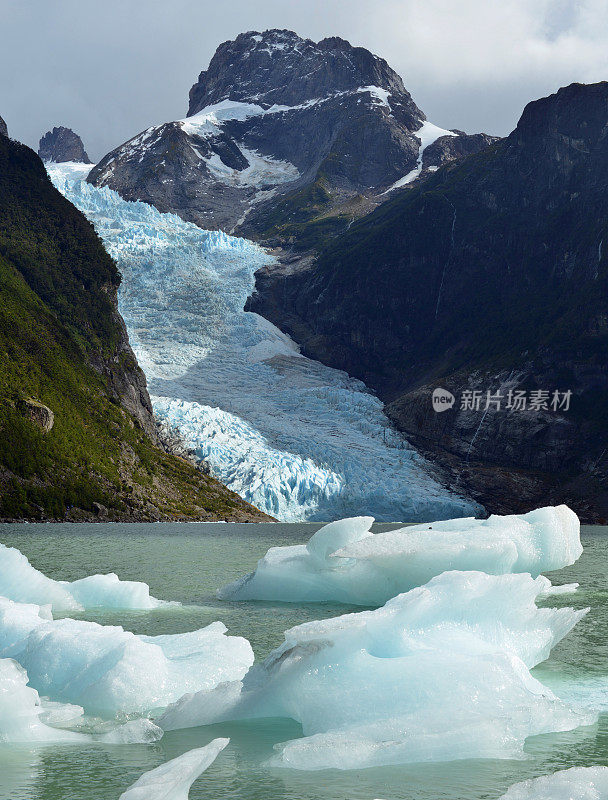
column 61, row 343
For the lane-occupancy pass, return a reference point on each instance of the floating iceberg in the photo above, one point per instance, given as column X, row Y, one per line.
column 344, row 562
column 111, row 672
column 298, row 439
column 26, row 719
column 578, row 783
column 23, row 583
column 21, row 710
column 438, row 673
column 172, row 781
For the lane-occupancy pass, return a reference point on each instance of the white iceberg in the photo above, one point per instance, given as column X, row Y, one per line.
column 113, row 673
column 578, row 783
column 439, row 673
column 172, row 781
column 21, row 710
column 344, row 562
column 23, row 583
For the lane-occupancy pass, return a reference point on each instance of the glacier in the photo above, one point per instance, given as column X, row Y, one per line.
column 172, row 780
column 112, row 673
column 345, row 562
column 439, row 673
column 297, row 439
column 22, row 582
column 577, row 783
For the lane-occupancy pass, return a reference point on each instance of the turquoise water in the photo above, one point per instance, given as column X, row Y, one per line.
column 188, row 562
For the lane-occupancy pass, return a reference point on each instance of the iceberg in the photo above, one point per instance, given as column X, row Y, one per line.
column 577, row 783
column 23, row 583
column 295, row 438
column 113, row 673
column 21, row 710
column 344, row 562
column 26, row 718
column 172, row 781
column 439, row 673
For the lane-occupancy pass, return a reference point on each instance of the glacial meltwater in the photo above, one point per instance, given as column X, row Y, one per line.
column 188, row 563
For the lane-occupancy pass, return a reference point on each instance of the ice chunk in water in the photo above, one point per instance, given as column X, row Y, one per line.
column 22, row 582
column 438, row 673
column 20, row 710
column 111, row 672
column 172, row 781
column 344, row 562
column 578, row 783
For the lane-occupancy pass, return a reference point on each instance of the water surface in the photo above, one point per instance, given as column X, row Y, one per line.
column 188, row 562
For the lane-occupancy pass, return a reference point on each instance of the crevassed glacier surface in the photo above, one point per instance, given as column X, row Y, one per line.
column 22, row 582
column 372, row 688
column 345, row 562
column 113, row 673
column 295, row 438
column 172, row 780
column 577, row 783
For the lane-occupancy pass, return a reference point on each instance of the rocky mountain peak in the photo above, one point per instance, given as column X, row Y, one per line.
column 3, row 128
column 577, row 111
column 283, row 133
column 279, row 67
column 62, row 144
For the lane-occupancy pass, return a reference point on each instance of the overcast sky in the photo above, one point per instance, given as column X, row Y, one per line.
column 110, row 68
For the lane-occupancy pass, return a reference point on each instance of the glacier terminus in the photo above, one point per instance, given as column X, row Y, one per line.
column 297, row 439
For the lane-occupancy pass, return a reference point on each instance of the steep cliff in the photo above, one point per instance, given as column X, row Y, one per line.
column 491, row 275
column 77, row 439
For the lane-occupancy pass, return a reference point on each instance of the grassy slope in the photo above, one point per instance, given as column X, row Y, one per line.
column 56, row 319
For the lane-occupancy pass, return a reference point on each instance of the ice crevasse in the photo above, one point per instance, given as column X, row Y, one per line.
column 372, row 688
column 345, row 562
column 297, row 439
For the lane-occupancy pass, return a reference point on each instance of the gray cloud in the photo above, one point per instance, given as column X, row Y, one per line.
column 110, row 68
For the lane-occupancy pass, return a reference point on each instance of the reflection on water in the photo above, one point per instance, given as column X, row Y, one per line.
column 188, row 563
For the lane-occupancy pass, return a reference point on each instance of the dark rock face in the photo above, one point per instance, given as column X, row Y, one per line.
column 281, row 131
column 3, row 128
column 62, row 144
column 494, row 270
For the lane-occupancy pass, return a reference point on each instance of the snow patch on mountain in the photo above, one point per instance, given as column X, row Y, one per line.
column 298, row 439
column 262, row 170
column 378, row 94
column 427, row 133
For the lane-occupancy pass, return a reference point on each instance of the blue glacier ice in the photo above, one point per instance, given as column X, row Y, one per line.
column 113, row 673
column 577, row 783
column 345, row 562
column 439, row 673
column 172, row 780
column 22, row 582
column 297, row 439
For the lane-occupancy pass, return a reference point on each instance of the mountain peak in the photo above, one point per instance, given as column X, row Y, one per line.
column 279, row 67
column 62, row 144
column 3, row 128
